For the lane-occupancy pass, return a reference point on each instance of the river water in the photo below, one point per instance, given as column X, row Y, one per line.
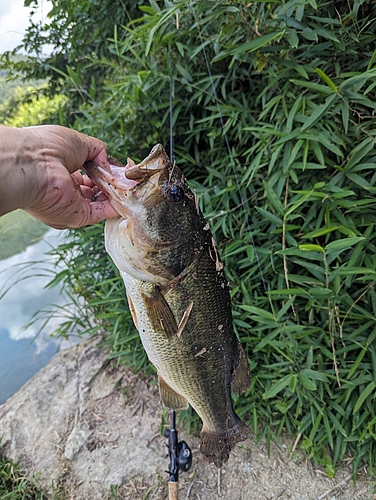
column 22, row 353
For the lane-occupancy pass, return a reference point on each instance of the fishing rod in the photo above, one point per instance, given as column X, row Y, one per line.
column 179, row 452
column 180, row 456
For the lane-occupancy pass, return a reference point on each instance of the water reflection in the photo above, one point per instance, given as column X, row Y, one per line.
column 23, row 277
column 19, row 361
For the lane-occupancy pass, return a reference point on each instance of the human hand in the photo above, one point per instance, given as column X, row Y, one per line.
column 42, row 162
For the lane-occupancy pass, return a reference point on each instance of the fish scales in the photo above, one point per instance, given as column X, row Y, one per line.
column 178, row 294
column 199, row 350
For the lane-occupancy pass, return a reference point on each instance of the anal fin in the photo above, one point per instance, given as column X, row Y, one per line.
column 242, row 376
column 171, row 398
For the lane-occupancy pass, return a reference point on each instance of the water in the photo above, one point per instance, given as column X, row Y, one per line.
column 21, row 354
column 19, row 362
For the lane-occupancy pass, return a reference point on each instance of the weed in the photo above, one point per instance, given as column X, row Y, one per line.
column 16, row 485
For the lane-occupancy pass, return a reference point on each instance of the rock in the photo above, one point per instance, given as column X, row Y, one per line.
column 85, row 424
column 77, row 438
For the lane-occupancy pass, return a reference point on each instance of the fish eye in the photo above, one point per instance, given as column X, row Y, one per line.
column 176, row 193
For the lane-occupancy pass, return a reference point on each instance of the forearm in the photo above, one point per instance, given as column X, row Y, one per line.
column 16, row 166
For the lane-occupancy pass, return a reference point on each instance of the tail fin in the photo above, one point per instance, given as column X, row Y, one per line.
column 216, row 447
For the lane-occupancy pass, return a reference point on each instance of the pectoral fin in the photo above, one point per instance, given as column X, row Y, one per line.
column 242, row 376
column 171, row 398
column 132, row 310
column 160, row 314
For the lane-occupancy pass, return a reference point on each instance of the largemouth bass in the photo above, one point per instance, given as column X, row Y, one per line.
column 177, row 293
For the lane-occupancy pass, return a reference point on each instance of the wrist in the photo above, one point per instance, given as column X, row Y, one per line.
column 16, row 161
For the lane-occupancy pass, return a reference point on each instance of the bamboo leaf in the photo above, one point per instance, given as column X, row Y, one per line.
column 321, row 232
column 311, row 86
column 278, row 386
column 74, row 76
column 327, row 80
column 292, row 114
column 364, row 395
column 273, row 198
column 319, row 112
column 269, row 216
column 292, row 38
column 306, row 382
column 315, row 375
column 345, row 116
column 250, row 46
column 307, row 247
column 337, row 424
column 328, row 430
column 343, row 244
column 359, row 153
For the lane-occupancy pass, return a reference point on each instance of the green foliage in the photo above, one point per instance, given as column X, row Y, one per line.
column 14, row 485
column 30, row 106
column 9, row 84
column 291, row 201
column 7, row 89
column 78, row 33
column 16, row 92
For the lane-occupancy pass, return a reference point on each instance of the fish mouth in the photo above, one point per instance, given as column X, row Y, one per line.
column 120, row 179
column 155, row 162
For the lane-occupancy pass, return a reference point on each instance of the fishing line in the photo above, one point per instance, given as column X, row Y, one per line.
column 233, row 166
column 179, row 452
column 171, row 114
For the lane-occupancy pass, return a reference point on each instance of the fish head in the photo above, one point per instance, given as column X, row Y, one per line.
column 153, row 237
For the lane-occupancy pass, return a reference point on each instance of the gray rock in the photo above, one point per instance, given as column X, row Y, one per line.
column 76, row 439
column 85, row 424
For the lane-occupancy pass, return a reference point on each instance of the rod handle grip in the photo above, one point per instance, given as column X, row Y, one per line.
column 173, row 490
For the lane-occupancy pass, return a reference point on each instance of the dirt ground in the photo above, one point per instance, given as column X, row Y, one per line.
column 250, row 474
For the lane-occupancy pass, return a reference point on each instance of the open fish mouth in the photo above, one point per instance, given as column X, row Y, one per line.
column 110, row 178
column 126, row 177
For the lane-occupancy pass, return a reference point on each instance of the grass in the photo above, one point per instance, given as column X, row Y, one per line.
column 15, row 485
column 18, row 230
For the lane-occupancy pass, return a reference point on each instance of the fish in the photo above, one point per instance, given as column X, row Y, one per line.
column 177, row 293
